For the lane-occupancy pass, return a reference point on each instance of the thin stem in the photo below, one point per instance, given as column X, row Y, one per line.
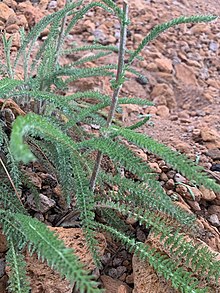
column 61, row 36
column 7, row 47
column 118, row 83
column 11, row 181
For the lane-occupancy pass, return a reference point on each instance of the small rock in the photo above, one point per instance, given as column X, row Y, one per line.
column 106, row 258
column 214, row 220
column 163, row 94
column 130, row 279
column 52, row 4
column 117, row 261
column 120, row 271
column 140, row 235
column 183, row 147
column 214, row 154
column 112, row 286
column 213, row 46
column 194, row 205
column 179, row 178
column 211, row 137
column 122, row 289
column 200, row 28
column 207, row 194
column 163, row 111
column 45, row 203
column 90, row 25
column 170, row 184
column 215, row 167
column 142, row 80
column 163, row 177
column 113, row 273
column 171, row 174
column 13, row 28
column 5, row 12
column 184, row 191
column 186, row 74
column 164, row 64
column 214, row 209
column 155, row 167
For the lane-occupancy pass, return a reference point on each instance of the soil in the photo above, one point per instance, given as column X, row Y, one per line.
column 182, row 71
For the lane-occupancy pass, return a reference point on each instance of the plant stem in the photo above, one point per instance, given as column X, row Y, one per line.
column 61, row 36
column 11, row 181
column 119, row 78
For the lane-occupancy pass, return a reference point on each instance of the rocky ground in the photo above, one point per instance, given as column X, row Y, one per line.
column 182, row 68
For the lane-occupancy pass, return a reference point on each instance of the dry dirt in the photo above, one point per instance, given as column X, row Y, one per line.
column 182, row 67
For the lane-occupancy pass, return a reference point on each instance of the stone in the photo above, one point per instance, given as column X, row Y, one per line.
column 200, row 28
column 163, row 94
column 90, row 25
column 186, row 74
column 215, row 167
column 194, row 205
column 122, row 289
column 214, row 154
column 16, row 40
column 170, row 184
column 114, row 286
column 183, row 147
column 32, row 14
column 213, row 46
column 45, row 203
column 52, row 4
column 163, row 177
column 163, row 111
column 211, row 137
column 189, row 192
column 130, row 279
column 214, row 220
column 155, row 167
column 5, row 12
column 179, row 178
column 19, row 20
column 11, row 4
column 13, row 28
column 207, row 194
column 164, row 64
column 214, row 209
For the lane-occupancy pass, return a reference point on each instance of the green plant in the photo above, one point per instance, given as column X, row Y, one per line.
column 47, row 138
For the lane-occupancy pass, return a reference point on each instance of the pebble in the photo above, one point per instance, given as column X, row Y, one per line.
column 215, row 167
column 46, row 203
column 171, row 174
column 213, row 46
column 179, row 178
column 214, row 154
column 170, row 184
column 142, row 80
column 52, row 4
column 214, row 220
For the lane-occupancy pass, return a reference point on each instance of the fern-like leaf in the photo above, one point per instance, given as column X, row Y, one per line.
column 158, row 29
column 49, row 247
column 180, row 162
column 179, row 277
column 18, row 281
